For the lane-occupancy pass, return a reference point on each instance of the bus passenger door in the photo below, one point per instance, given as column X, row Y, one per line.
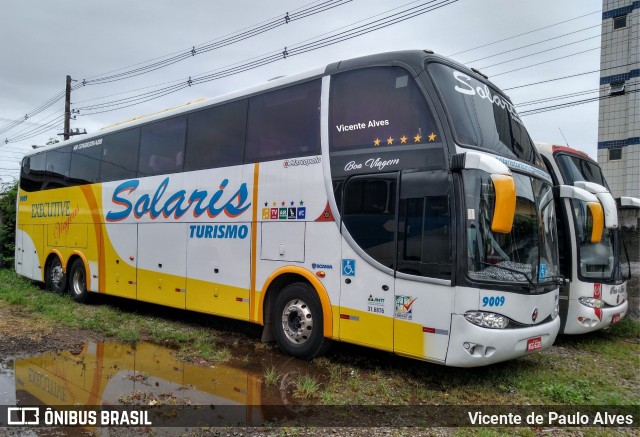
column 366, row 298
column 121, row 259
column 423, row 296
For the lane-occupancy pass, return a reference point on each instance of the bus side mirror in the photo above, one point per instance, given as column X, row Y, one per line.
column 503, row 183
column 505, row 206
column 606, row 199
column 597, row 221
column 594, row 208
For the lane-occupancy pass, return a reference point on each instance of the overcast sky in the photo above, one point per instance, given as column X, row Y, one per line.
column 42, row 41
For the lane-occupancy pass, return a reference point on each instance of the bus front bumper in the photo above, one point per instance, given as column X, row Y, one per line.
column 472, row 346
column 582, row 319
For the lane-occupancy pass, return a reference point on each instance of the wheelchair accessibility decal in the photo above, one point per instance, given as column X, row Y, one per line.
column 348, row 267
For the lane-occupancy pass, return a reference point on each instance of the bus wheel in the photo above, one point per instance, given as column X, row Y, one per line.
column 78, row 282
column 297, row 321
column 55, row 280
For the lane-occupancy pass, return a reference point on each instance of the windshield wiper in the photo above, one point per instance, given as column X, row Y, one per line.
column 531, row 284
column 557, row 279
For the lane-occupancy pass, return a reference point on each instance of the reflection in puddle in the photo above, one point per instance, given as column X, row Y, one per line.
column 146, row 374
column 7, row 386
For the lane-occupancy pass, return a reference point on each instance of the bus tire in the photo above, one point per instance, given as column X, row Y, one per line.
column 78, row 282
column 55, row 278
column 297, row 321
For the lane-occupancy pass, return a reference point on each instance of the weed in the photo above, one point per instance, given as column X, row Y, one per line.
column 576, row 392
column 271, row 376
column 306, row 387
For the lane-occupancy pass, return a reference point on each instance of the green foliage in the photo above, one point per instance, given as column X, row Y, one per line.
column 8, row 225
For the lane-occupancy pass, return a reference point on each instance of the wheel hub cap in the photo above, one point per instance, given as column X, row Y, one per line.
column 297, row 322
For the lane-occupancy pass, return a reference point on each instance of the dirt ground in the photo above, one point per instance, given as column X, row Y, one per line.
column 23, row 336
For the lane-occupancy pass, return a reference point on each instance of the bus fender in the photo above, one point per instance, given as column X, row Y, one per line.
column 321, row 291
column 57, row 253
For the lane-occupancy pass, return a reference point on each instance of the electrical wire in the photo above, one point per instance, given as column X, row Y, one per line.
column 297, row 14
column 569, row 104
column 525, row 33
column 289, row 51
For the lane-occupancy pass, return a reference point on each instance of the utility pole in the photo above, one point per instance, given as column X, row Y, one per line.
column 67, row 108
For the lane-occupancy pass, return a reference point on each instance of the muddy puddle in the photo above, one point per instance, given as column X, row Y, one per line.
column 110, row 374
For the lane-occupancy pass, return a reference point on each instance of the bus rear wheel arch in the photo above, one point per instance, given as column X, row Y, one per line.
column 297, row 321
column 55, row 278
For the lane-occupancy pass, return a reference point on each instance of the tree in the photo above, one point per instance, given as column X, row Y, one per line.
column 8, row 225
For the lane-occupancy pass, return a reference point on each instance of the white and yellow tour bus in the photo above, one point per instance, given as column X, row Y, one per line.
column 595, row 294
column 394, row 201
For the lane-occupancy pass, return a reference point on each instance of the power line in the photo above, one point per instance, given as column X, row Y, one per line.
column 569, row 104
column 538, row 53
column 526, row 33
column 222, row 42
column 545, row 62
column 289, row 51
column 33, row 112
column 298, row 14
column 532, row 44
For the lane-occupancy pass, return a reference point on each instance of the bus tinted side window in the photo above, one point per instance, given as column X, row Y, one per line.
column 85, row 165
column 284, row 123
column 162, row 147
column 32, row 172
column 57, row 167
column 120, row 155
column 378, row 107
column 215, row 137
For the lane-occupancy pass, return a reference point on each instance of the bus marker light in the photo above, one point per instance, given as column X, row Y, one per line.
column 131, row 258
column 428, row 330
column 320, row 274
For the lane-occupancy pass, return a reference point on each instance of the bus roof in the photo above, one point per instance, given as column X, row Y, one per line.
column 550, row 149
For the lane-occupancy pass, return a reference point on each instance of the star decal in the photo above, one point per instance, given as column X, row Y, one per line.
column 301, row 203
column 283, row 203
column 403, row 140
column 292, row 203
column 376, row 142
column 432, row 137
column 274, row 203
column 417, row 138
column 389, row 141
column 266, row 203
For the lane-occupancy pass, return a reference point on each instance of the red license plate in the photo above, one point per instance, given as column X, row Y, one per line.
column 615, row 318
column 533, row 344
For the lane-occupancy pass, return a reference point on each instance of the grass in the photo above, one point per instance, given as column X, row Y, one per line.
column 271, row 376
column 306, row 387
column 196, row 344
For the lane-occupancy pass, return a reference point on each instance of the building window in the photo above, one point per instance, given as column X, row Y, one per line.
column 616, row 88
column 619, row 22
column 615, row 154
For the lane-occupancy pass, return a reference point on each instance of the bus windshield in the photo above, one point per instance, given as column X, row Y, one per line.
column 527, row 254
column 482, row 117
column 575, row 169
column 606, row 260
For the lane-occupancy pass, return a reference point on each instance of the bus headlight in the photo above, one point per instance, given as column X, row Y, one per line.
column 487, row 320
column 591, row 302
column 555, row 311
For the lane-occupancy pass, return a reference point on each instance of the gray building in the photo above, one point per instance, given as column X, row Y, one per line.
column 619, row 117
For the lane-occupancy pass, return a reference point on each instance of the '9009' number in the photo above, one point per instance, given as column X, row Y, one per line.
column 492, row 301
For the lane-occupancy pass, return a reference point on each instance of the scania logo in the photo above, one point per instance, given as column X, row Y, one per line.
column 534, row 315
